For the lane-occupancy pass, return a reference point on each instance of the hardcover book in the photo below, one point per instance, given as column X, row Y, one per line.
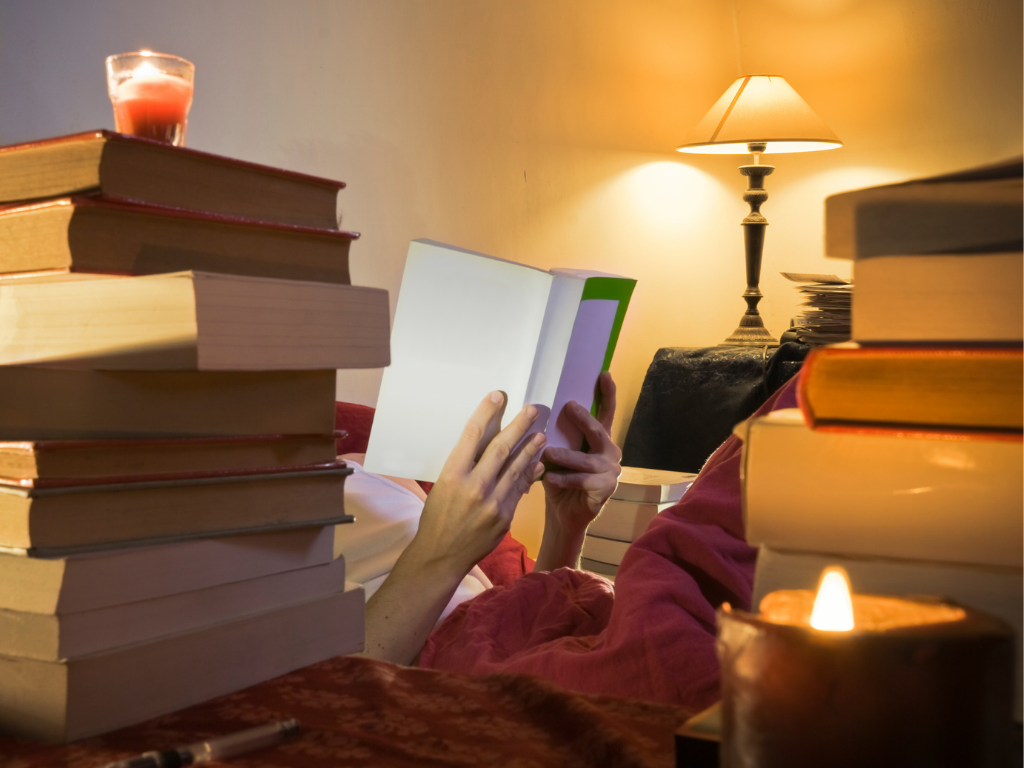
column 95, row 580
column 72, row 699
column 52, row 521
column 156, row 173
column 973, row 389
column 79, row 235
column 939, row 498
column 64, row 636
column 65, row 460
column 65, row 404
column 979, row 210
column 973, row 298
column 653, row 486
column 193, row 321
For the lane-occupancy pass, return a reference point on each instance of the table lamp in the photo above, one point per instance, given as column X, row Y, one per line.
column 757, row 114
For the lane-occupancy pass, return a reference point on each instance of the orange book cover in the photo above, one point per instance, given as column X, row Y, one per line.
column 959, row 392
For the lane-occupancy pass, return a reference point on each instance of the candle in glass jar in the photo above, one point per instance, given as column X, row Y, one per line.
column 153, row 105
column 888, row 681
column 151, row 94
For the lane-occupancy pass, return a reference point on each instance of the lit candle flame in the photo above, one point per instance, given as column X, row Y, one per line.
column 833, row 607
column 145, row 69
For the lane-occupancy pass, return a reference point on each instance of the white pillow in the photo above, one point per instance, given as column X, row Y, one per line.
column 387, row 515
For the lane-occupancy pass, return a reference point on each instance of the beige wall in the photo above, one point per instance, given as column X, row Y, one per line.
column 542, row 130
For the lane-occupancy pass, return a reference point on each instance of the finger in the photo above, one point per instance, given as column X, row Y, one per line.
column 607, row 400
column 471, row 441
column 596, row 435
column 566, row 458
column 499, row 450
column 522, row 469
column 585, row 481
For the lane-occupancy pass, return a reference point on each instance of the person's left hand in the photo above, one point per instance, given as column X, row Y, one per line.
column 578, row 487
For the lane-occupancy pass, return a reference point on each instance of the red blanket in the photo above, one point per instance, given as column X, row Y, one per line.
column 368, row 714
column 651, row 635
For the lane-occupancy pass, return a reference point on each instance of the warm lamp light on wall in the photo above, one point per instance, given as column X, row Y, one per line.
column 758, row 114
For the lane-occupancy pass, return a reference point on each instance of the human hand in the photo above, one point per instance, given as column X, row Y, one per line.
column 470, row 508
column 577, row 488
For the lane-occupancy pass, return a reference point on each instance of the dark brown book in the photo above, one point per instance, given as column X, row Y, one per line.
column 73, row 235
column 53, row 404
column 160, row 174
column 51, row 521
column 68, row 461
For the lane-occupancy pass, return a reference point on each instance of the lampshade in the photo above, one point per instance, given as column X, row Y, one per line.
column 760, row 109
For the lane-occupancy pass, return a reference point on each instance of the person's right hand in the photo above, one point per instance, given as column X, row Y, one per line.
column 470, row 508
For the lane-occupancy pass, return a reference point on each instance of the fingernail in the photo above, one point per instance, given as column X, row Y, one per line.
column 538, row 471
column 531, row 411
column 538, row 438
column 497, row 396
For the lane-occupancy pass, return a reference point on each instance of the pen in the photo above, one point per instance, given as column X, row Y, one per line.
column 214, row 749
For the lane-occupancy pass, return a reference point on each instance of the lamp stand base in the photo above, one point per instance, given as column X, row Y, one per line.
column 751, row 333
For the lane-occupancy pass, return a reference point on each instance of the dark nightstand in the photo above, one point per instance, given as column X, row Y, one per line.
column 691, row 399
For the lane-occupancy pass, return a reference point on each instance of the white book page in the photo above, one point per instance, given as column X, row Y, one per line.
column 563, row 304
column 466, row 324
column 583, row 361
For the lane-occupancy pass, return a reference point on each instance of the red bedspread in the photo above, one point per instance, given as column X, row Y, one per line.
column 357, row 712
column 652, row 635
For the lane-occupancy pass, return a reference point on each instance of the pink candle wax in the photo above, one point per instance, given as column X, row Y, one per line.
column 153, row 105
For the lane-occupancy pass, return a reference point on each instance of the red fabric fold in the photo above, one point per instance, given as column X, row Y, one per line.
column 652, row 635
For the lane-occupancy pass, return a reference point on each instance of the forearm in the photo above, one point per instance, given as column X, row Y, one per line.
column 560, row 545
column 402, row 613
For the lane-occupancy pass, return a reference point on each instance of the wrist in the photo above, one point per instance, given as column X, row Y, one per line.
column 440, row 568
column 560, row 546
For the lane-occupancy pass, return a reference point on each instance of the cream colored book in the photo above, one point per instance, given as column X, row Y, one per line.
column 607, row 551
column 973, row 297
column 89, row 695
column 193, row 321
column 59, row 520
column 53, row 637
column 655, row 486
column 109, row 577
column 625, row 520
column 941, row 498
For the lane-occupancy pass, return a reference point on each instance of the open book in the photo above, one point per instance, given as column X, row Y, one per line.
column 467, row 324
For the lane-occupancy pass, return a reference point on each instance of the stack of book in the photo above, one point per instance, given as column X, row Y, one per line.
column 640, row 495
column 827, row 298
column 172, row 322
column 904, row 463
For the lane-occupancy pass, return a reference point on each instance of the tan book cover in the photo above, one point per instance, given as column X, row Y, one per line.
column 198, row 321
column 940, row 499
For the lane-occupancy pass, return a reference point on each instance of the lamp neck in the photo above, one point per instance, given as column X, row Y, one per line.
column 756, row 148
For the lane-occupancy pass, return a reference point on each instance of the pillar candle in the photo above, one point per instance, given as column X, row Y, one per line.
column 915, row 682
column 153, row 105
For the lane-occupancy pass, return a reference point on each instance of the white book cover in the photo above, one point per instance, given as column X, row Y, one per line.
column 467, row 324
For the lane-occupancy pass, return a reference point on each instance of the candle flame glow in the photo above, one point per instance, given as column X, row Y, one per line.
column 833, row 606
column 145, row 69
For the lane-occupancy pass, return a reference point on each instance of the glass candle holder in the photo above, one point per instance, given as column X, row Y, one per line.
column 151, row 94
